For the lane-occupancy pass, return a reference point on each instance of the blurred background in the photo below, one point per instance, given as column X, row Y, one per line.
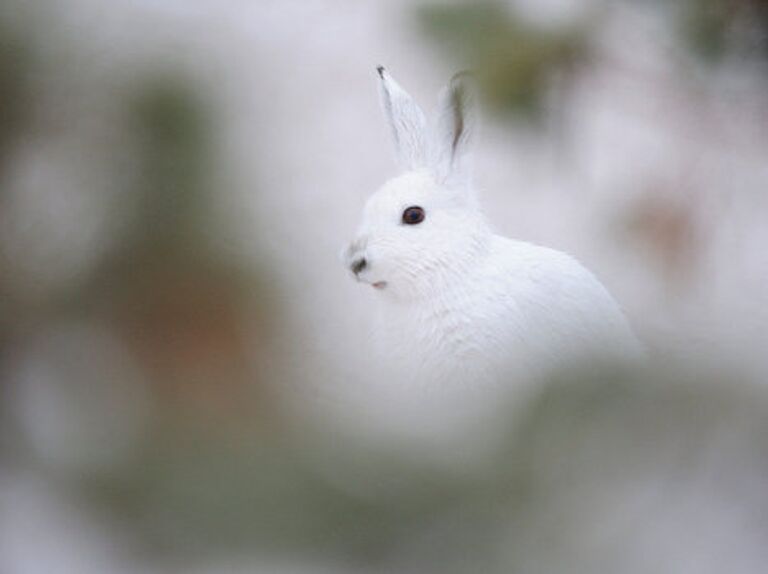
column 183, row 381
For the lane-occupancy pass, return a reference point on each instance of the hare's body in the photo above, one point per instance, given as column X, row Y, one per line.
column 458, row 303
column 520, row 311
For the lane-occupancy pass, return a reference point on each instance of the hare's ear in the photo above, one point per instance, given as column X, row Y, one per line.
column 406, row 120
column 456, row 122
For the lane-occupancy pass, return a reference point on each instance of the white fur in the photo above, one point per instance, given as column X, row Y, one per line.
column 462, row 305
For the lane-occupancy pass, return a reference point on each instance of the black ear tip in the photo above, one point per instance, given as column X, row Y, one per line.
column 380, row 71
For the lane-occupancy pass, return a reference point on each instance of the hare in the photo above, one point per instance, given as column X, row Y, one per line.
column 459, row 304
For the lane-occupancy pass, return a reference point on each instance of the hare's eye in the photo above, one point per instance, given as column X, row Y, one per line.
column 413, row 215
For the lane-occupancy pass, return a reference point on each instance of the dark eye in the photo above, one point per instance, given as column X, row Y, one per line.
column 413, row 215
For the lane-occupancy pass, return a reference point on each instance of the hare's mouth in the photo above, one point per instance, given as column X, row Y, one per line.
column 379, row 284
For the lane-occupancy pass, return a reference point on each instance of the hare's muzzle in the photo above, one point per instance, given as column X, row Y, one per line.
column 358, row 265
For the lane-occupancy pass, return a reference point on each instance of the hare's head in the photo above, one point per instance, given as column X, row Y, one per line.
column 422, row 229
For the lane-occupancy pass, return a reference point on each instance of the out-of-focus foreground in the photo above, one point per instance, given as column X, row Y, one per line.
column 183, row 382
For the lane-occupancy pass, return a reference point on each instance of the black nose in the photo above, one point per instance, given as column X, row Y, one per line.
column 358, row 265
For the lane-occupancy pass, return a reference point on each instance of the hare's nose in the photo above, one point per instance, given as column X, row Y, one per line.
column 358, row 265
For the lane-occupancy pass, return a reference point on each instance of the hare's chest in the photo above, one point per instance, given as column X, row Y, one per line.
column 459, row 343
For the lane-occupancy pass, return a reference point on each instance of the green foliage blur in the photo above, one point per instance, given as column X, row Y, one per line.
column 518, row 62
column 513, row 61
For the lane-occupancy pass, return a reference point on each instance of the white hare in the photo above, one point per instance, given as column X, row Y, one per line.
column 459, row 304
